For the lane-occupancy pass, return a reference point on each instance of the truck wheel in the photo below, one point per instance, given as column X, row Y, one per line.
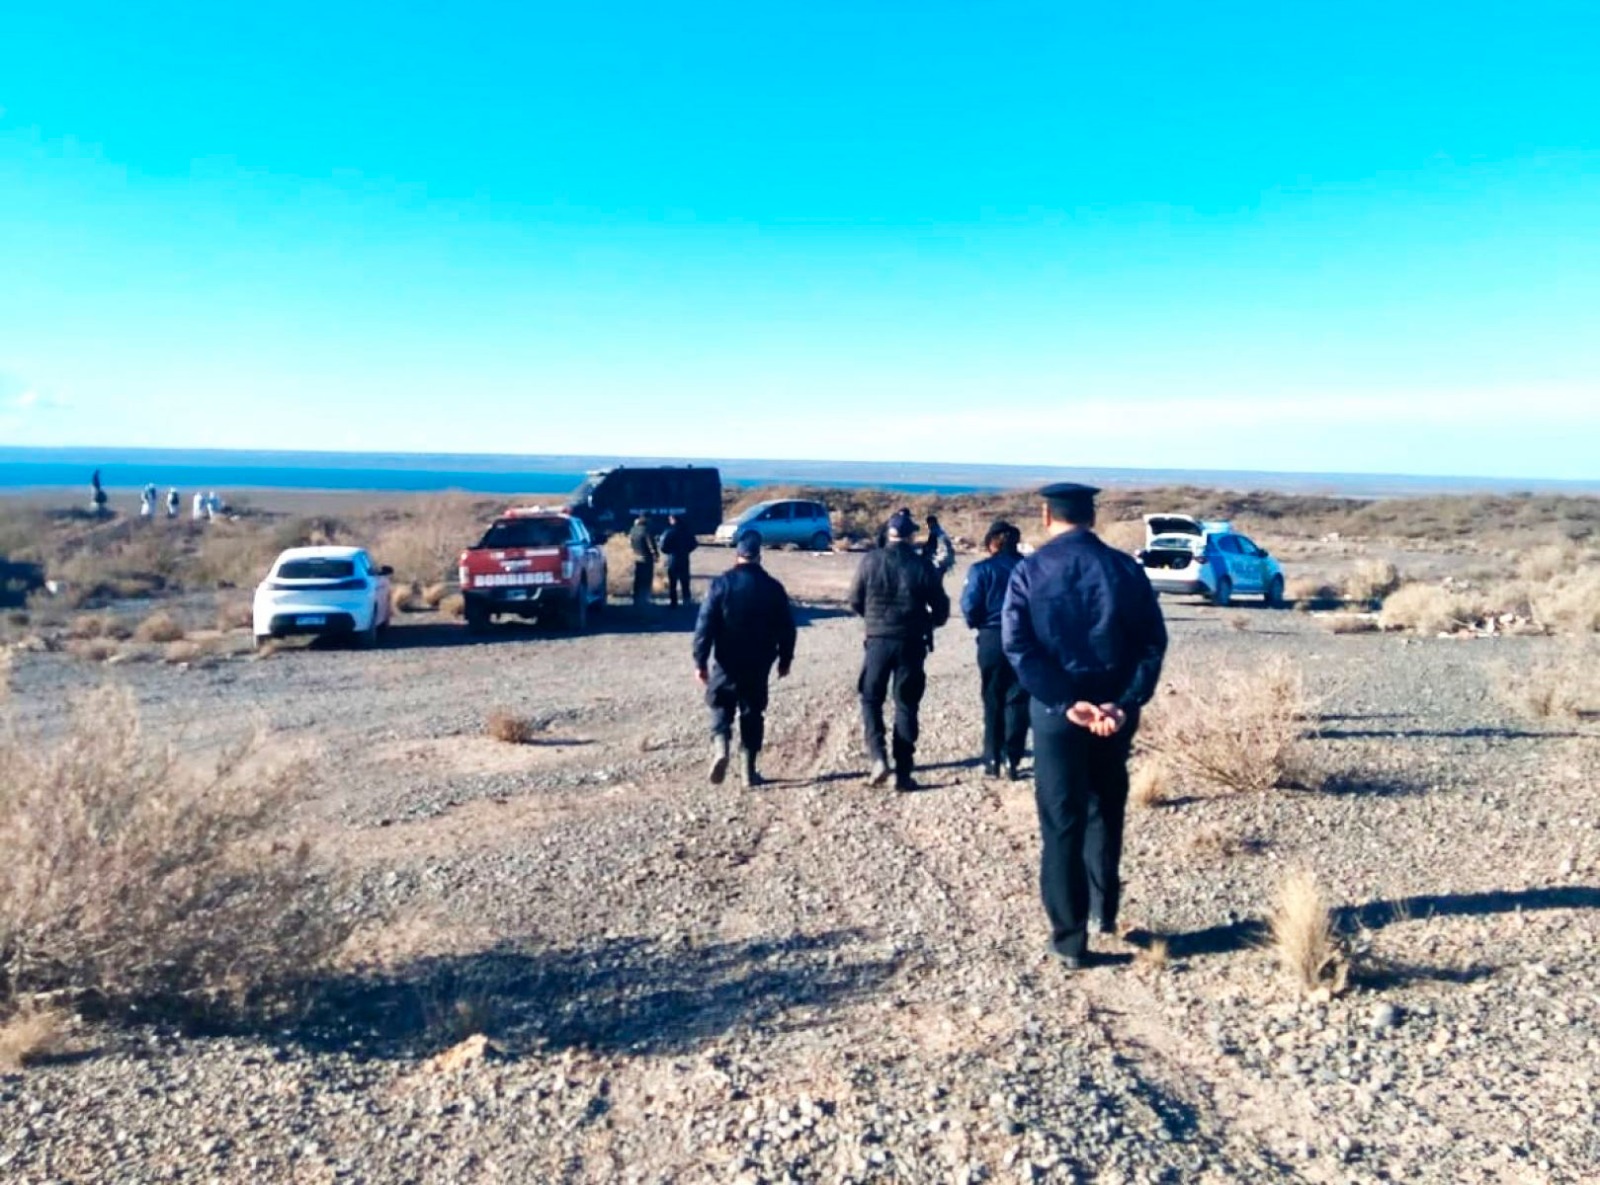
column 477, row 617
column 1223, row 597
column 821, row 541
column 368, row 638
column 1275, row 593
column 578, row 611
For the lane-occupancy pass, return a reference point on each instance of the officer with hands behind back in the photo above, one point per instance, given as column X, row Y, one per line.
column 1082, row 628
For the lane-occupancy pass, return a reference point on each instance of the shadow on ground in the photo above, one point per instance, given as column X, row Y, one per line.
column 617, row 995
column 1375, row 915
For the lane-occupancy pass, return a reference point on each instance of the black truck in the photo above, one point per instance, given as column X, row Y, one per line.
column 610, row 499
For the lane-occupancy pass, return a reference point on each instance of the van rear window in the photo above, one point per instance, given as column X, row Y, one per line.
column 526, row 532
column 316, row 569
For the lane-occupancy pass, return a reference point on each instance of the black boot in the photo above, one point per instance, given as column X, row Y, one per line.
column 719, row 760
column 751, row 778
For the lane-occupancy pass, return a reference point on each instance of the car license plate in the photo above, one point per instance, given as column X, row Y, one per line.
column 517, row 594
column 312, row 619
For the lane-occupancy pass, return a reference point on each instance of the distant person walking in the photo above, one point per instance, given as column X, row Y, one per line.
column 677, row 541
column 97, row 494
column 173, row 502
column 939, row 549
column 147, row 500
column 1085, row 635
column 644, row 560
column 745, row 625
column 1005, row 703
column 213, row 506
column 901, row 601
column 198, row 507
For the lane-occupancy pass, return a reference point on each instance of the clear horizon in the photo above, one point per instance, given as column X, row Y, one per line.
column 1239, row 238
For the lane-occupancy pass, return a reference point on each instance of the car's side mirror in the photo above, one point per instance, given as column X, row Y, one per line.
column 1261, row 553
column 386, row 570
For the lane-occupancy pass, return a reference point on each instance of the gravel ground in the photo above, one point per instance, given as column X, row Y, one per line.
column 821, row 981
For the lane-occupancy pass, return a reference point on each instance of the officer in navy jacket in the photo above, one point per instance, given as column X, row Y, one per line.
column 745, row 625
column 899, row 597
column 1005, row 703
column 1082, row 628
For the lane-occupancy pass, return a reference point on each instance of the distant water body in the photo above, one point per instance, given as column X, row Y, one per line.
column 23, row 469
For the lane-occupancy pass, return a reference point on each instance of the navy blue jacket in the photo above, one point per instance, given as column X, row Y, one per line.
column 985, row 592
column 1081, row 622
column 745, row 621
column 898, row 593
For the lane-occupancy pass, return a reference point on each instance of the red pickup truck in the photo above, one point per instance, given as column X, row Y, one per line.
column 534, row 562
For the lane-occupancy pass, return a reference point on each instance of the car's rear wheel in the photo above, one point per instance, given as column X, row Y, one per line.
column 1223, row 597
column 821, row 541
column 1275, row 593
column 368, row 638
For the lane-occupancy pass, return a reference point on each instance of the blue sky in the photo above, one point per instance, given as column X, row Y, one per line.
column 1347, row 238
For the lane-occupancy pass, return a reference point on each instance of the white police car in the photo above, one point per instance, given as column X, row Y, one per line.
column 1208, row 558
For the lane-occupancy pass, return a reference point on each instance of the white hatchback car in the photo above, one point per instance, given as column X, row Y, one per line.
column 335, row 591
column 1207, row 558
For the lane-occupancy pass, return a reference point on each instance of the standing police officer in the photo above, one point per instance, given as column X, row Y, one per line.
column 1005, row 703
column 745, row 624
column 902, row 601
column 1082, row 628
column 644, row 560
column 677, row 541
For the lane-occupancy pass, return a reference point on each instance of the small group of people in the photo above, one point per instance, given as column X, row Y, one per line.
column 205, row 506
column 1070, row 643
column 674, row 545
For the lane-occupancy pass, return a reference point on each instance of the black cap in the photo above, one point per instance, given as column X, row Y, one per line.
column 748, row 546
column 1068, row 489
column 902, row 525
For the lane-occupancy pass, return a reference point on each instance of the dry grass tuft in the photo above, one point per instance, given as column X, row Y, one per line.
column 513, row 730
column 1371, row 581
column 85, row 626
column 435, row 595
column 1215, row 845
column 454, row 605
column 131, row 880
column 1151, row 784
column 1236, row 730
column 1569, row 602
column 1303, row 940
column 1125, row 535
column 1154, row 956
column 92, row 649
column 1425, row 608
column 424, row 546
column 159, row 627
column 183, row 651
column 33, row 1032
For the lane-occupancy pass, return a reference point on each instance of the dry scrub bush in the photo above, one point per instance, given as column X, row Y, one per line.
column 1351, row 623
column 159, row 627
column 1547, row 562
column 92, row 649
column 1311, row 593
column 1425, row 608
column 1303, row 940
column 434, row 595
column 131, row 879
column 85, row 626
column 1569, row 602
column 424, row 546
column 406, row 598
column 1371, row 581
column 1564, row 687
column 1125, row 535
column 235, row 555
column 454, row 605
column 235, row 615
column 1237, row 730
column 513, row 730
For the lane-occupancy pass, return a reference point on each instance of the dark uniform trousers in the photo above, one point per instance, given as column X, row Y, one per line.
column 1005, row 703
column 678, row 578
column 644, row 574
column 1081, row 786
column 741, row 693
column 897, row 664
